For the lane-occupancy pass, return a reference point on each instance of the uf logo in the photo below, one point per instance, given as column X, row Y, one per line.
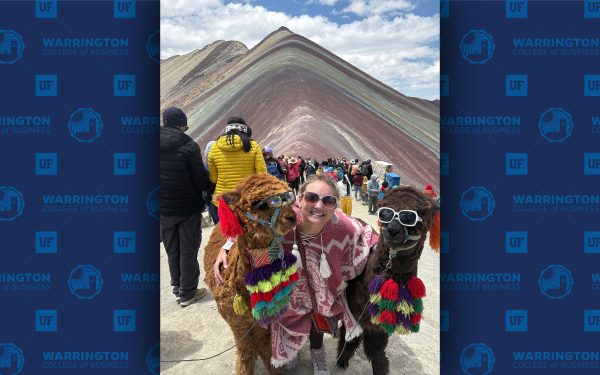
column 11, row 359
column 153, row 359
column 556, row 125
column 555, row 282
column 11, row 203
column 45, row 8
column 591, row 9
column 516, row 8
column 477, row 203
column 46, row 242
column 591, row 242
column 46, row 320
column 85, row 125
column 124, row 9
column 591, row 85
column 124, row 85
column 124, row 320
column 153, row 46
column 516, row 242
column 11, row 47
column 85, row 282
column 153, row 203
column 591, row 166
column 516, row 320
column 591, row 320
column 516, row 85
column 516, row 164
column 477, row 46
column 477, row 358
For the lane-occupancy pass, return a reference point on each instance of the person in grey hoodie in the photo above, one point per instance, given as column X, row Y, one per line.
column 373, row 191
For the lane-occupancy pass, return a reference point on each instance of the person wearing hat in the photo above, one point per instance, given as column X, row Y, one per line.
column 429, row 191
column 273, row 166
column 293, row 174
column 183, row 179
column 235, row 155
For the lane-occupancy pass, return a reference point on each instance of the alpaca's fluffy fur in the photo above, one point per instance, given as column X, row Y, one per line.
column 404, row 266
column 257, row 343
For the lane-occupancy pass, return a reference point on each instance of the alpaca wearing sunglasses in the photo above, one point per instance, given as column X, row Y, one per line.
column 259, row 195
column 406, row 215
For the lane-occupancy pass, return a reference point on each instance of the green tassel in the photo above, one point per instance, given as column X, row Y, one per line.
column 375, row 320
column 239, row 306
column 389, row 328
column 401, row 330
column 415, row 328
column 386, row 304
column 418, row 306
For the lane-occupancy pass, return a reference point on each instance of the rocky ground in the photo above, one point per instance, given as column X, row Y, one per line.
column 198, row 331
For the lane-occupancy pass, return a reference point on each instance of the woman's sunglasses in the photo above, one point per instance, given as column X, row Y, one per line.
column 276, row 201
column 408, row 218
column 329, row 201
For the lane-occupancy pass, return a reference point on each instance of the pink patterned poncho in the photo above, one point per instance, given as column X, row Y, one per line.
column 346, row 242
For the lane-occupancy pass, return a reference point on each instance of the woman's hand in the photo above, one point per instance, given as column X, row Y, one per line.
column 221, row 259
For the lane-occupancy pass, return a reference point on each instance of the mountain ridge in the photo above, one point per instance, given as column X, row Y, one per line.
column 302, row 99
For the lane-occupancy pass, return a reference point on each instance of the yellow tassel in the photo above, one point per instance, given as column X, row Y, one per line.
column 239, row 307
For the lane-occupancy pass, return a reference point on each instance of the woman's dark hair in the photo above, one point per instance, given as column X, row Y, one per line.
column 245, row 137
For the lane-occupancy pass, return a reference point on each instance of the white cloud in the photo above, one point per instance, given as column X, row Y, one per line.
column 322, row 2
column 402, row 51
column 377, row 7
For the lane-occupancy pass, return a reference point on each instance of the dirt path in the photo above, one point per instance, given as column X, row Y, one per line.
column 198, row 331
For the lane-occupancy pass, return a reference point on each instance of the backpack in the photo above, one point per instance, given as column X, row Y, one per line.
column 364, row 169
column 272, row 169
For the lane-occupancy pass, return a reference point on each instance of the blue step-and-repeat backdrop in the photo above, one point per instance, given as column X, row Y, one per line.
column 520, row 166
column 79, row 235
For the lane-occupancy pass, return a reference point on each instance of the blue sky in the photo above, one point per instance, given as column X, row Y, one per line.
column 395, row 41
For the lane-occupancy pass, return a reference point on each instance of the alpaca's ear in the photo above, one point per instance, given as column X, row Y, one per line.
column 230, row 225
column 231, row 197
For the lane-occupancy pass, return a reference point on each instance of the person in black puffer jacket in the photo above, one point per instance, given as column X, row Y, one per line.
column 183, row 178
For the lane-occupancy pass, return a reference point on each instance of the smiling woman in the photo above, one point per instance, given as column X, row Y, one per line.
column 333, row 249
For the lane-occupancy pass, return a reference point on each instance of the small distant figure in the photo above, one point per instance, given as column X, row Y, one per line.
column 373, row 192
column 429, row 191
column 358, row 180
column 384, row 187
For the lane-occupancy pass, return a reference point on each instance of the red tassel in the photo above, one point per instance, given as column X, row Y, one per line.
column 434, row 233
column 387, row 316
column 230, row 226
column 415, row 318
column 254, row 299
column 416, row 287
column 294, row 277
column 389, row 290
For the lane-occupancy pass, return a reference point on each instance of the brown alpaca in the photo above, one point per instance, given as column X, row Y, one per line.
column 404, row 265
column 249, row 192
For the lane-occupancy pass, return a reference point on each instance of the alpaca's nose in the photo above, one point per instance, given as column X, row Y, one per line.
column 396, row 231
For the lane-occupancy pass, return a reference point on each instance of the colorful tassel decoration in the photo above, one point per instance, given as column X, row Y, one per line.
column 230, row 226
column 270, row 287
column 393, row 307
column 434, row 233
column 389, row 290
column 324, row 266
column 416, row 287
column 239, row 307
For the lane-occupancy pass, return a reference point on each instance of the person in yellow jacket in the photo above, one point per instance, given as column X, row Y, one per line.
column 234, row 156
